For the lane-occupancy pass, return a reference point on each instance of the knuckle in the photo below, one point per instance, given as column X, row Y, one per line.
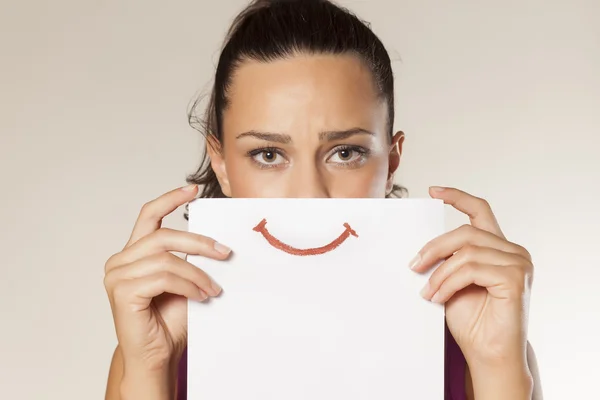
column 430, row 251
column 147, row 209
column 465, row 228
column 164, row 259
column 202, row 240
column 436, row 278
column 468, row 250
column 162, row 235
column 483, row 203
column 524, row 252
column 165, row 278
column 427, row 248
column 110, row 263
column 470, row 267
column 205, row 239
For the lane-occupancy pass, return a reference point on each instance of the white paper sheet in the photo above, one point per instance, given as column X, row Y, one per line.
column 347, row 323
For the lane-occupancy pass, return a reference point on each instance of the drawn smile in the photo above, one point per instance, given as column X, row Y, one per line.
column 273, row 241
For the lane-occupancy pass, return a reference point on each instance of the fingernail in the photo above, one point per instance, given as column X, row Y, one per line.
column 415, row 262
column 436, row 298
column 203, row 296
column 222, row 248
column 216, row 288
column 425, row 290
column 189, row 188
column 437, row 188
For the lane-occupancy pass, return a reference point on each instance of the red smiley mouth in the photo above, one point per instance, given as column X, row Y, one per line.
column 273, row 241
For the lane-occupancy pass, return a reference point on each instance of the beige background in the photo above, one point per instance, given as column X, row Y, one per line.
column 500, row 98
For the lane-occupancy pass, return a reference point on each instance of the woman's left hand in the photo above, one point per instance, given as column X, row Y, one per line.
column 484, row 282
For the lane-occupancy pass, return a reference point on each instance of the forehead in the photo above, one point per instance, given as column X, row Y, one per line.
column 304, row 92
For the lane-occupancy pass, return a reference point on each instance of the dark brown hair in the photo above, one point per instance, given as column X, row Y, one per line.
column 274, row 29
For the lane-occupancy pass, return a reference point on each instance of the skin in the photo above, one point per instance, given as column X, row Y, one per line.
column 314, row 126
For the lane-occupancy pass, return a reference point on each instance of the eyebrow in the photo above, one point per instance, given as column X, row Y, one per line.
column 270, row 137
column 326, row 136
column 340, row 135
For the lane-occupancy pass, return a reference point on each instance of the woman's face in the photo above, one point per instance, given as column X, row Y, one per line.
column 307, row 126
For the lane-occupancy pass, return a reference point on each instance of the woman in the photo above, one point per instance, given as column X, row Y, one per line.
column 303, row 106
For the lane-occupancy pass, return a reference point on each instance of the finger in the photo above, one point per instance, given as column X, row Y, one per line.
column 160, row 263
column 138, row 293
column 479, row 210
column 476, row 255
column 501, row 282
column 153, row 212
column 449, row 243
column 164, row 240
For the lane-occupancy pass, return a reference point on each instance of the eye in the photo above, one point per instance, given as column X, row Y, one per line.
column 348, row 155
column 267, row 157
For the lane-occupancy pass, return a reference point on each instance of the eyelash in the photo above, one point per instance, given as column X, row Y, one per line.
column 261, row 150
column 362, row 152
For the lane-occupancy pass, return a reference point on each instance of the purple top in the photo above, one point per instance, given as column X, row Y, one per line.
column 454, row 372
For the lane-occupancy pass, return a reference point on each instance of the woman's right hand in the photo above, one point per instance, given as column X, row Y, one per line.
column 148, row 287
